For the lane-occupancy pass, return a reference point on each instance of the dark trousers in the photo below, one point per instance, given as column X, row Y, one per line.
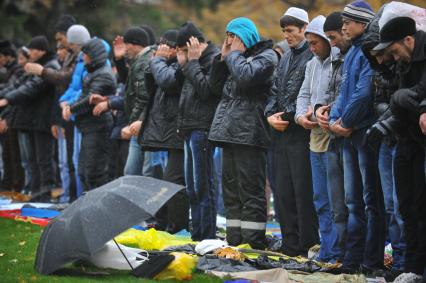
column 44, row 145
column 13, row 178
column 174, row 215
column 93, row 159
column 298, row 220
column 411, row 192
column 243, row 184
column 117, row 159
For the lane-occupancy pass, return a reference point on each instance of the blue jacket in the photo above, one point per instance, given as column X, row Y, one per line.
column 72, row 94
column 355, row 105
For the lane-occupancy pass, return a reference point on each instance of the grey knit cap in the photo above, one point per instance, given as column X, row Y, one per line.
column 78, row 34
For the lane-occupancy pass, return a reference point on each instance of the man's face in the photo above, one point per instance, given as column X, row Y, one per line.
column 3, row 60
column 338, row 40
column 293, row 35
column 62, row 54
column 22, row 60
column 36, row 54
column 402, row 50
column 132, row 50
column 61, row 39
column 352, row 29
column 382, row 56
column 86, row 59
column 74, row 47
column 318, row 45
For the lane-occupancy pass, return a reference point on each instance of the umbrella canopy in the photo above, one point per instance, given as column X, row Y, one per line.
column 98, row 216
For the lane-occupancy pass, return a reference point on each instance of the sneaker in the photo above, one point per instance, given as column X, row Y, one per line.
column 408, row 278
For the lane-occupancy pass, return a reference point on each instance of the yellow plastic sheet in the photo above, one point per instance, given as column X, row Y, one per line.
column 151, row 239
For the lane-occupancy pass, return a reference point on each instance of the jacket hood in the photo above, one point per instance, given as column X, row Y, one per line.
column 316, row 26
column 96, row 50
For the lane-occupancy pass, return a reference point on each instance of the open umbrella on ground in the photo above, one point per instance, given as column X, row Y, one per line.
column 97, row 217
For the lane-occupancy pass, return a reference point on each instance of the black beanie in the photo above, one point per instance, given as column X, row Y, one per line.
column 7, row 48
column 39, row 42
column 150, row 32
column 64, row 23
column 187, row 30
column 333, row 22
column 169, row 38
column 137, row 36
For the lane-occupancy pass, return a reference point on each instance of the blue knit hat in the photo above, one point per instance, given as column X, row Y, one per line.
column 245, row 29
column 358, row 11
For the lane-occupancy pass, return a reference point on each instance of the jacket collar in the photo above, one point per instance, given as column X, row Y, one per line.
column 419, row 52
column 303, row 45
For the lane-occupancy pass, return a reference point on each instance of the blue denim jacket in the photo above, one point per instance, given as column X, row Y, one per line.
column 355, row 105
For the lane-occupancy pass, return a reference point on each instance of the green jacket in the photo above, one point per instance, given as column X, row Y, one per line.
column 136, row 93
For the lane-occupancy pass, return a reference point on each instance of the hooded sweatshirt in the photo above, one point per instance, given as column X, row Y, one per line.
column 315, row 85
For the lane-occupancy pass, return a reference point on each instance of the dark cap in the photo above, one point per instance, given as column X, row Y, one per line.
column 151, row 34
column 394, row 30
column 7, row 48
column 169, row 38
column 137, row 36
column 39, row 42
column 64, row 23
column 333, row 22
column 188, row 30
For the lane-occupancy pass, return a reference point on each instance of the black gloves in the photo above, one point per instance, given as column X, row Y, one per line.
column 375, row 134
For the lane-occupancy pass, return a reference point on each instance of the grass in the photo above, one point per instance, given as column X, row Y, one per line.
column 18, row 245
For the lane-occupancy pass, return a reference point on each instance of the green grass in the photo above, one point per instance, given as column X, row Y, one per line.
column 18, row 245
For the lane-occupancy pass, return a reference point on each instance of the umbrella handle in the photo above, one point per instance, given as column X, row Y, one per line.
column 118, row 246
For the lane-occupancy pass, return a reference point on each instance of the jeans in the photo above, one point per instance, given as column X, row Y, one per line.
column 75, row 157
column 153, row 164
column 63, row 166
column 366, row 225
column 336, row 191
column 217, row 161
column 135, row 159
column 26, row 149
column 199, row 184
column 93, row 159
column 329, row 250
column 393, row 219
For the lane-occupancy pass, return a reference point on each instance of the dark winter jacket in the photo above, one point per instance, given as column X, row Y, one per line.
column 136, row 94
column 120, row 118
column 197, row 105
column 39, row 94
column 288, row 79
column 159, row 130
column 243, row 80
column 13, row 76
column 61, row 79
column 99, row 80
column 412, row 77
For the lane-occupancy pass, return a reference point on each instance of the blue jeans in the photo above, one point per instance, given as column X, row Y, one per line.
column 199, row 184
column 63, row 166
column 394, row 220
column 27, row 156
column 336, row 190
column 75, row 156
column 329, row 250
column 154, row 164
column 135, row 159
column 366, row 225
column 217, row 161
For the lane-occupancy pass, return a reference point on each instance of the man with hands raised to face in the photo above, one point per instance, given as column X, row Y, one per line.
column 293, row 182
column 159, row 131
column 197, row 106
column 242, row 76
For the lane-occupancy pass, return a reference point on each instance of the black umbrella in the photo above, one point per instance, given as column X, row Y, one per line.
column 98, row 216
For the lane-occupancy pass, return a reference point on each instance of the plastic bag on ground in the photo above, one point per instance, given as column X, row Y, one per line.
column 207, row 246
column 111, row 257
column 151, row 239
column 180, row 269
